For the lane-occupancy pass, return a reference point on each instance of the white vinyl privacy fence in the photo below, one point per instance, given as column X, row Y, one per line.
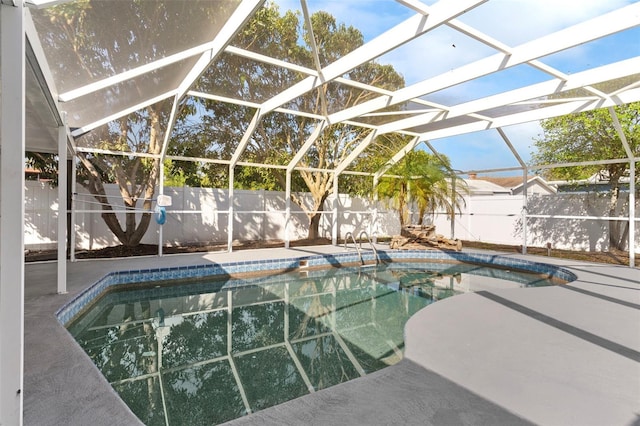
column 201, row 216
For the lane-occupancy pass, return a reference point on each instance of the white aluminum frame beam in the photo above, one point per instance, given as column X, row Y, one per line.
column 602, row 26
column 500, row 169
column 132, row 73
column 254, row 56
column 611, row 71
column 90, row 126
column 548, row 88
column 304, row 70
column 239, row 17
column 120, row 153
column 582, row 163
column 623, row 137
column 632, row 214
column 525, row 195
column 396, row 36
column 632, row 177
column 41, row 67
column 62, row 207
column 397, row 157
column 12, row 145
column 486, row 39
column 534, row 115
column 307, row 145
column 231, row 27
column 246, row 137
column 219, row 98
column 314, row 53
column 41, row 4
column 356, row 152
column 513, row 150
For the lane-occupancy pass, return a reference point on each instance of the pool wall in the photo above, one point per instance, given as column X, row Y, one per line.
column 77, row 304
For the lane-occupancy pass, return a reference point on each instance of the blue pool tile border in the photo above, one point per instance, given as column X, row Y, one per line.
column 74, row 306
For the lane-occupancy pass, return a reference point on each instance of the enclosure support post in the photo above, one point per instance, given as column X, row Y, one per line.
column 12, row 142
column 468, row 212
column 632, row 213
column 160, row 192
column 62, row 208
column 287, row 217
column 525, row 173
column 74, row 187
column 632, row 173
column 373, row 232
column 230, row 218
column 453, row 206
column 334, row 221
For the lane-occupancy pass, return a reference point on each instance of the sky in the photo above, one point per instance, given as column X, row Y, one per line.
column 511, row 21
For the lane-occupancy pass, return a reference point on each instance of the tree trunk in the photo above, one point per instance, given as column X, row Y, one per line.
column 403, row 211
column 314, row 225
column 131, row 234
column 617, row 240
column 314, row 218
column 422, row 212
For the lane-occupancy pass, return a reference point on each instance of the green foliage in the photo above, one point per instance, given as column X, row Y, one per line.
column 210, row 129
column 585, row 137
column 592, row 136
column 421, row 178
column 47, row 164
column 371, row 160
column 82, row 36
column 214, row 130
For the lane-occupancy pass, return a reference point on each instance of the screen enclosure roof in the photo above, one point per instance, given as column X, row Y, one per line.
column 463, row 73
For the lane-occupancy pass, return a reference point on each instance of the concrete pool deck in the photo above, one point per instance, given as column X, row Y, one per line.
column 551, row 355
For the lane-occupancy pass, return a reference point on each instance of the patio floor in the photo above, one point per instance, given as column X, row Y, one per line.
column 550, row 355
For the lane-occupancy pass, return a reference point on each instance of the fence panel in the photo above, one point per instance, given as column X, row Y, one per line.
column 200, row 215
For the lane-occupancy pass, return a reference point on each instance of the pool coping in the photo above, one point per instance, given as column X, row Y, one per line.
column 76, row 306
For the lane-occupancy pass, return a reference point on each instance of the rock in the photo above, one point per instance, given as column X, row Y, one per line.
column 423, row 237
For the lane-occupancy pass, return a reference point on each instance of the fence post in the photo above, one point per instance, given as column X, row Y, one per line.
column 287, row 217
column 336, row 202
column 525, row 173
column 632, row 213
column 62, row 208
column 12, row 139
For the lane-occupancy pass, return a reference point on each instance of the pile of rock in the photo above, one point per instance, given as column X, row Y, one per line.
column 423, row 237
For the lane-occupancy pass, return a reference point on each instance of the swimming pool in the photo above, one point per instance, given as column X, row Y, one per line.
column 199, row 349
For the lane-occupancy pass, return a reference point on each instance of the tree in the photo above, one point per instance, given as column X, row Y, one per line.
column 591, row 136
column 279, row 136
column 46, row 164
column 88, row 47
column 424, row 179
column 136, row 177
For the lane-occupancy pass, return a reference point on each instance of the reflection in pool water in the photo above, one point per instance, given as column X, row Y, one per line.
column 208, row 352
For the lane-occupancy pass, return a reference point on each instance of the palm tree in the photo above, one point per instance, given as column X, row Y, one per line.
column 424, row 179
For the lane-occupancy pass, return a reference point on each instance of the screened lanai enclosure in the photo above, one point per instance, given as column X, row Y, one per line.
column 125, row 100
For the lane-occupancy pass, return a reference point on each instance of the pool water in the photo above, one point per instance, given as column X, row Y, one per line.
column 207, row 352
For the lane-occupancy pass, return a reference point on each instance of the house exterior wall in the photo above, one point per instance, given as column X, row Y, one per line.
column 533, row 188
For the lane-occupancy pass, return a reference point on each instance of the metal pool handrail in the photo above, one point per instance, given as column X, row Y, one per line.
column 355, row 244
column 375, row 252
